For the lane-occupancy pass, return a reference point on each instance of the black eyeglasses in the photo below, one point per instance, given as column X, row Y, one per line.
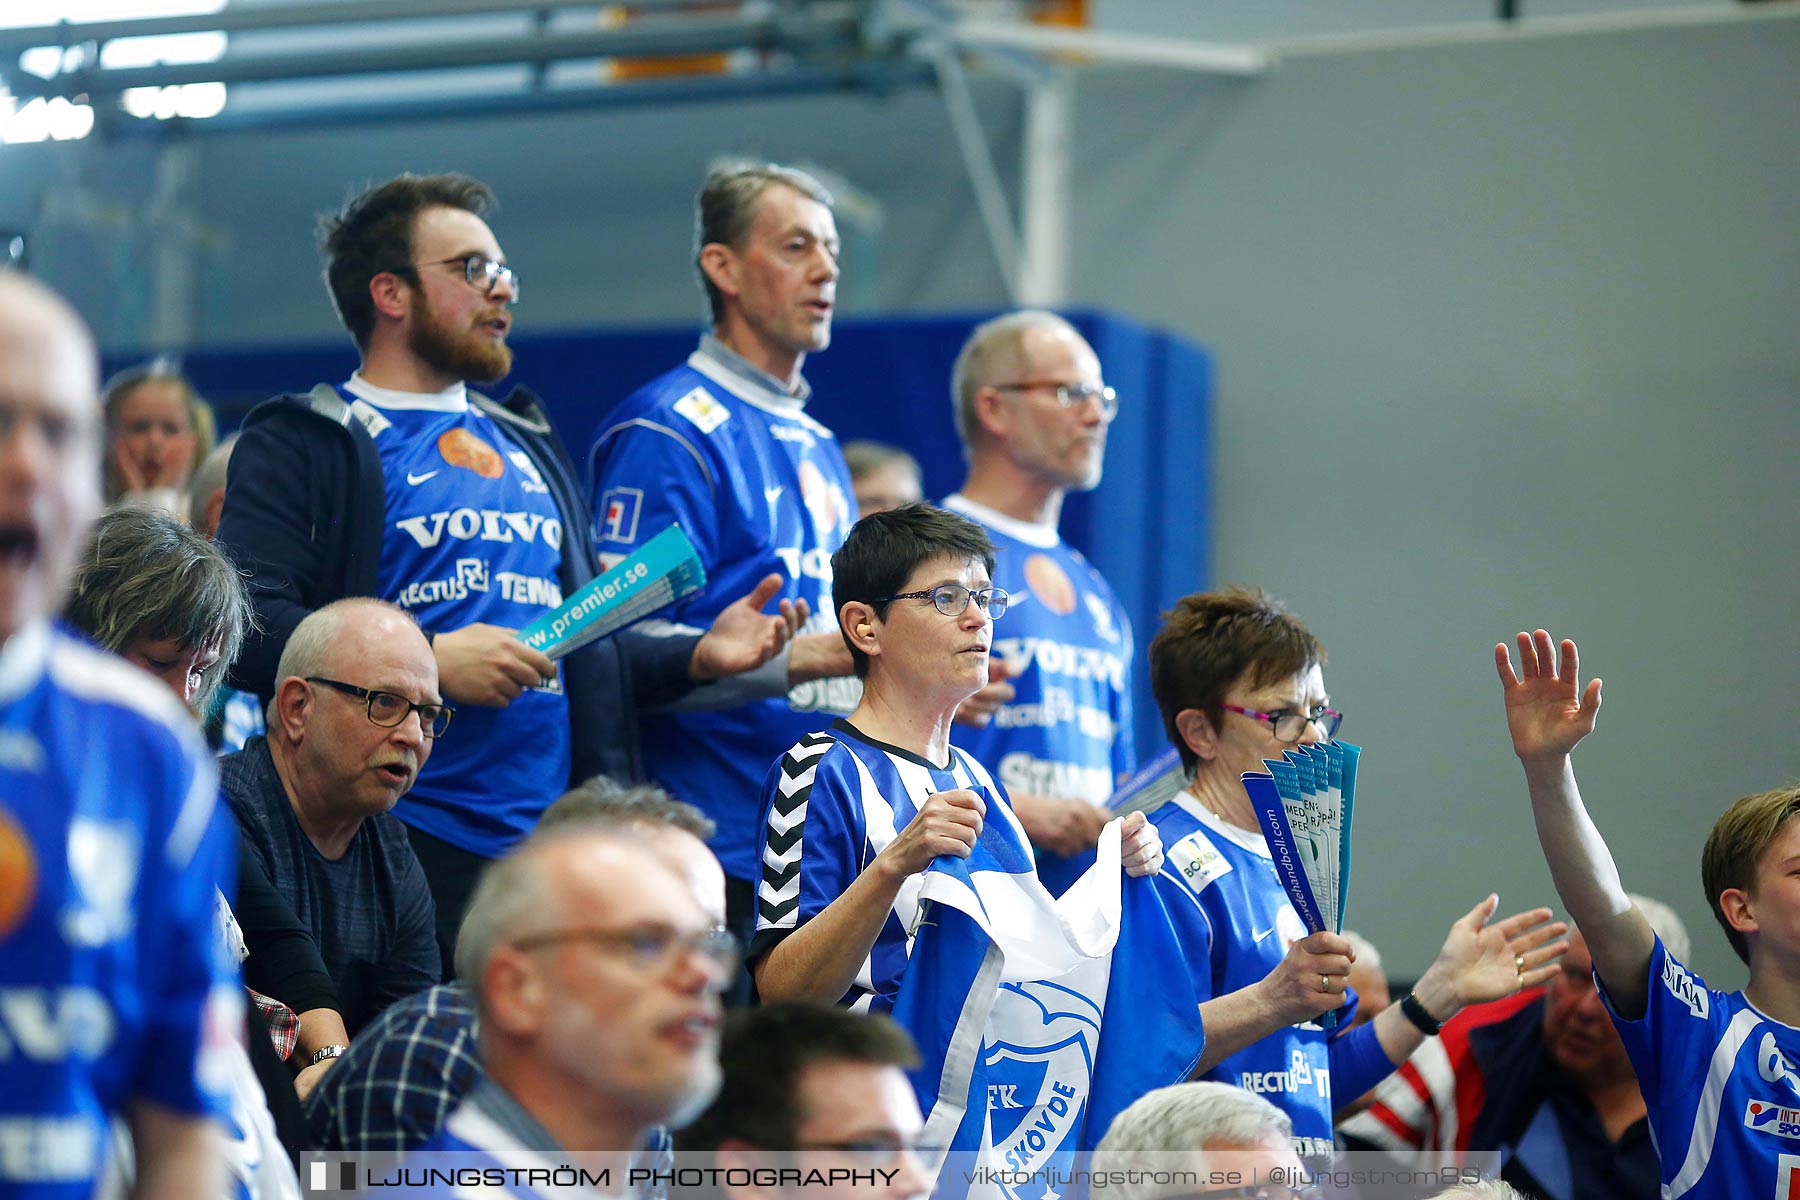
column 1290, row 726
column 652, row 949
column 952, row 598
column 481, row 271
column 1069, row 395
column 388, row 710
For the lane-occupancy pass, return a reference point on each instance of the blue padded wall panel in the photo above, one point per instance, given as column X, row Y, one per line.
column 1145, row 527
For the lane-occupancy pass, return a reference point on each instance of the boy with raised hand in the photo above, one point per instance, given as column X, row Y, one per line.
column 1717, row 1068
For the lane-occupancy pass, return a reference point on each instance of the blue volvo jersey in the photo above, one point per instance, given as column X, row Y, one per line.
column 1067, row 730
column 831, row 804
column 1722, row 1083
column 1235, row 925
column 758, row 487
column 472, row 534
column 114, row 986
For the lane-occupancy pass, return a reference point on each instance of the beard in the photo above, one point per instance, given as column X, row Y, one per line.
column 467, row 355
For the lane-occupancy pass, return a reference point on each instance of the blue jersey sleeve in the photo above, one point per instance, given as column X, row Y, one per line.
column 648, row 475
column 1682, row 1022
column 191, row 992
column 1124, row 747
column 1358, row 1062
column 812, row 840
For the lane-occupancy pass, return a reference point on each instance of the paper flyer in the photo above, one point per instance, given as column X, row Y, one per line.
column 1304, row 806
column 660, row 572
column 1271, row 814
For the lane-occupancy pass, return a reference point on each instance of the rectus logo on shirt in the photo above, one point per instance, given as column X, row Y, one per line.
column 1766, row 1117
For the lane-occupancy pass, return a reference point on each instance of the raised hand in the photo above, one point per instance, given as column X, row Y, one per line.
column 1484, row 960
column 1547, row 711
column 743, row 636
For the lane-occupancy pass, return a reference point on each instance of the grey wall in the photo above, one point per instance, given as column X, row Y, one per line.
column 1505, row 338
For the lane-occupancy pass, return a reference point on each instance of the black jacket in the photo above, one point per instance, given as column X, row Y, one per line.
column 304, row 512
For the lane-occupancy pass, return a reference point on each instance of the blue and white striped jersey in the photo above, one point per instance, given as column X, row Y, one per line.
column 471, row 534
column 830, row 805
column 758, row 487
column 114, row 986
column 1722, row 1083
column 1235, row 923
column 1067, row 730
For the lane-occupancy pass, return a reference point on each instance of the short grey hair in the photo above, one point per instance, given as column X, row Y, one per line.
column 994, row 346
column 1188, row 1118
column 865, row 455
column 308, row 648
column 208, row 478
column 602, row 803
column 1480, row 1189
column 148, row 576
column 726, row 206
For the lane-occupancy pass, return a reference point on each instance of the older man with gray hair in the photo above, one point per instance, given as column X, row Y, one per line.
column 1033, row 410
column 723, row 446
column 1536, row 1085
column 1213, row 1138
column 354, row 718
column 595, row 972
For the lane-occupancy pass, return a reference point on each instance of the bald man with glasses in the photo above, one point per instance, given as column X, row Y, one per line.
column 355, row 718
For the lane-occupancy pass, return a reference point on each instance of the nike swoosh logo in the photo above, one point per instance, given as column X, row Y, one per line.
column 1265, row 933
column 415, row 480
column 771, row 494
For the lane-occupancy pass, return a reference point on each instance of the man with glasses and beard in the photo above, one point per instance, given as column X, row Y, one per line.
column 403, row 484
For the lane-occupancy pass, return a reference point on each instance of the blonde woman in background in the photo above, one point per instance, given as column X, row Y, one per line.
column 157, row 430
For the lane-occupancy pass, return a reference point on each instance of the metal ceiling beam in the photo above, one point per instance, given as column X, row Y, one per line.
column 874, row 78
column 809, row 34
column 287, row 16
column 1101, row 48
